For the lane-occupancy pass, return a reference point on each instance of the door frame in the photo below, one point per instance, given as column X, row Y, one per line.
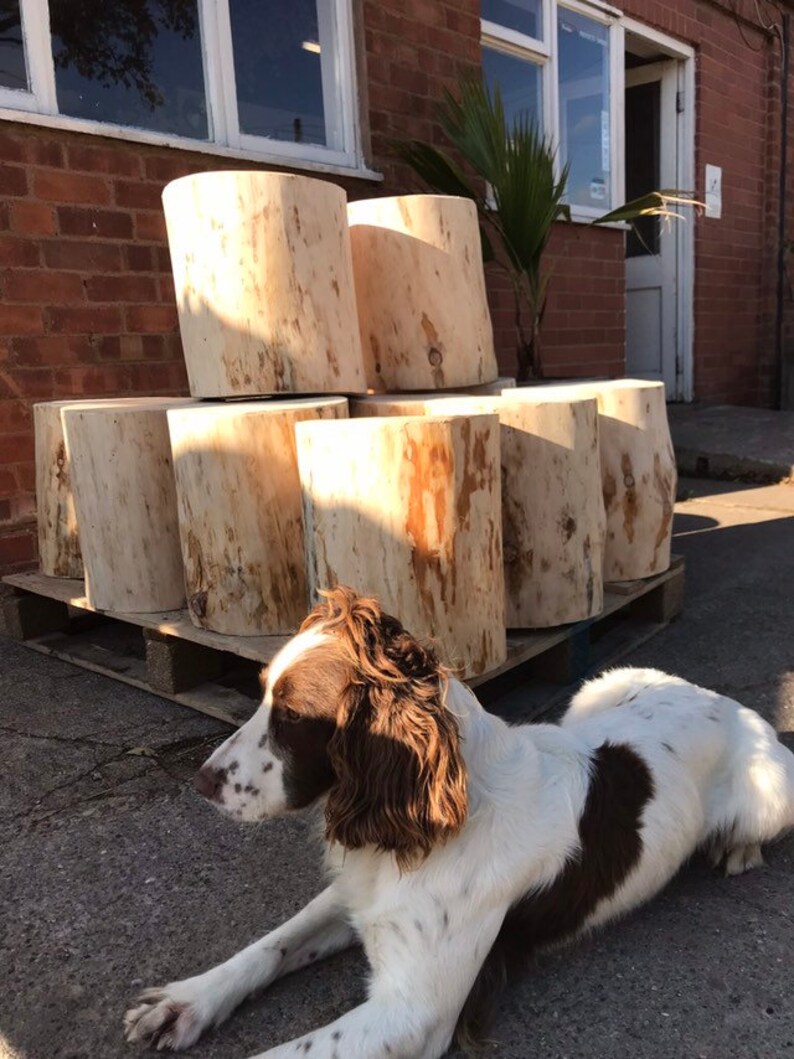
column 684, row 55
column 644, row 269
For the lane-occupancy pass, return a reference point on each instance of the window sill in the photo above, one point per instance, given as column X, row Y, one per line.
column 353, row 168
column 582, row 216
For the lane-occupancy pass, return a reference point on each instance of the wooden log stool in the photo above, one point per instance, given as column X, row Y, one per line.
column 240, row 519
column 407, row 509
column 639, row 475
column 59, row 539
column 553, row 521
column 264, row 284
column 123, row 481
column 420, row 289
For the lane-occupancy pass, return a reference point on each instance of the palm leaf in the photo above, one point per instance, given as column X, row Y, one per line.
column 654, row 204
column 436, row 169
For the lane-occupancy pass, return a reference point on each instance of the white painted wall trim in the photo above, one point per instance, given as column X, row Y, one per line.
column 685, row 261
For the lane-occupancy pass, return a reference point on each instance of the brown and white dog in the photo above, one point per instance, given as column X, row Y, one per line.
column 457, row 845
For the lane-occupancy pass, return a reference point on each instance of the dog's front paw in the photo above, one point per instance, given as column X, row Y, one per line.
column 166, row 1018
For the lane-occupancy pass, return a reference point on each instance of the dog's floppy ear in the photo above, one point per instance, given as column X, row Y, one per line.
column 400, row 777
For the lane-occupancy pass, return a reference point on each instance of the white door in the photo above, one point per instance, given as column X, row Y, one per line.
column 651, row 164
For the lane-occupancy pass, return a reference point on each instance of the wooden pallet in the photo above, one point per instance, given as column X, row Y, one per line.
column 166, row 654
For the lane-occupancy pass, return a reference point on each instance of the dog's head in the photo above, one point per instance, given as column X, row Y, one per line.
column 353, row 711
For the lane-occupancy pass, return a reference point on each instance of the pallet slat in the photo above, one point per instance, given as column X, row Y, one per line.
column 34, row 605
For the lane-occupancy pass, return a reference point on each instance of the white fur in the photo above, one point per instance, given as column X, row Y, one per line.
column 721, row 778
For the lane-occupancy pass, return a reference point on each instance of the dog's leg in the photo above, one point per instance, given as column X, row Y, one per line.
column 175, row 1015
column 423, row 977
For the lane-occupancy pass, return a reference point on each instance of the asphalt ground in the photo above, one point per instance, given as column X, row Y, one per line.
column 114, row 875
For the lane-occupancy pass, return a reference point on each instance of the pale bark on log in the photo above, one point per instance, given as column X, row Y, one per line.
column 639, row 475
column 240, row 516
column 553, row 520
column 408, row 510
column 264, row 284
column 59, row 539
column 420, row 288
column 125, row 499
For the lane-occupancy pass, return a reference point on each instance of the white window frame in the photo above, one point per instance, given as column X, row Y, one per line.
column 536, row 51
column 546, row 52
column 39, row 105
column 608, row 17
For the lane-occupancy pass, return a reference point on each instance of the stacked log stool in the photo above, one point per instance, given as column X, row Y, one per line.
column 552, row 508
column 239, row 503
column 638, row 475
column 420, row 288
column 408, row 509
column 59, row 538
column 120, row 457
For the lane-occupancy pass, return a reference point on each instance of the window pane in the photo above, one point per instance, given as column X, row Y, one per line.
column 518, row 81
column 584, row 107
column 283, row 53
column 131, row 62
column 524, row 16
column 12, row 50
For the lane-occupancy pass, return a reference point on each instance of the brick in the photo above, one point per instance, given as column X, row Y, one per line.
column 21, row 320
column 22, row 507
column 13, row 181
column 31, row 218
column 34, row 383
column 82, row 256
column 138, row 194
column 108, row 347
column 8, row 483
column 169, row 167
column 115, row 161
column 151, row 318
column 59, row 185
column 17, row 251
column 17, row 549
column 162, row 259
column 150, row 225
column 167, row 292
column 140, row 258
column 26, row 476
column 12, row 148
column 43, row 150
column 111, row 224
column 53, row 351
column 43, row 287
column 97, row 381
column 159, row 378
column 14, row 415
column 122, row 288
column 16, row 448
column 93, row 319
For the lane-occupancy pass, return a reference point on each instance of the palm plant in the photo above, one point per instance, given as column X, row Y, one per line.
column 518, row 195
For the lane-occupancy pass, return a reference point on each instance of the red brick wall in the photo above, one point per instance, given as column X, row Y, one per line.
column 584, row 327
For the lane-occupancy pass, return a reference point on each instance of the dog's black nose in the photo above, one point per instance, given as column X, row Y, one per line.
column 209, row 781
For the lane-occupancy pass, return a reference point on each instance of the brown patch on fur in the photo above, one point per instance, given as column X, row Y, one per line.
column 621, row 785
column 400, row 780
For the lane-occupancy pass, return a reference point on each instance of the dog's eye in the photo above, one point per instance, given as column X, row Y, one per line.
column 290, row 715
